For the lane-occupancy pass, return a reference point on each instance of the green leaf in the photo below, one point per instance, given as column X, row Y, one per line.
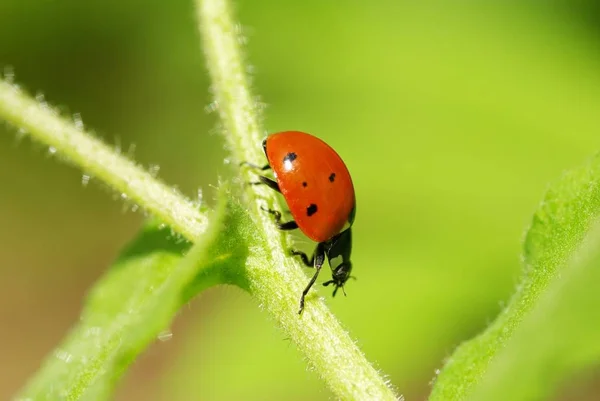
column 558, row 229
column 557, row 339
column 136, row 300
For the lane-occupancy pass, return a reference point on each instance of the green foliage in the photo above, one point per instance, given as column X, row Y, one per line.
column 556, row 235
column 447, row 177
column 135, row 302
column 557, row 340
column 270, row 275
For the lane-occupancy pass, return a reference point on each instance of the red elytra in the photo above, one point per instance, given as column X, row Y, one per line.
column 314, row 181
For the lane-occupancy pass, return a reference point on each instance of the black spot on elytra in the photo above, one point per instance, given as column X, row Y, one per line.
column 290, row 157
column 332, row 177
column 305, row 184
column 312, row 209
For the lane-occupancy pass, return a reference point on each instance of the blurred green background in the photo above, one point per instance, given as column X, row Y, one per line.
column 451, row 118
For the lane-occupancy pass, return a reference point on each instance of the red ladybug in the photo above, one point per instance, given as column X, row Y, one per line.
column 318, row 190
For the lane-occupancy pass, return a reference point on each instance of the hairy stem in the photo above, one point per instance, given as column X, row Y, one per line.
column 278, row 284
column 274, row 279
column 92, row 156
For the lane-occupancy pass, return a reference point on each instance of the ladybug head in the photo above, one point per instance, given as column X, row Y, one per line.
column 339, row 276
column 340, row 245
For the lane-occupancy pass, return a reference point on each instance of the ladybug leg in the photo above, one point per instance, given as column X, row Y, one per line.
column 288, row 225
column 256, row 166
column 318, row 259
column 268, row 182
column 308, row 262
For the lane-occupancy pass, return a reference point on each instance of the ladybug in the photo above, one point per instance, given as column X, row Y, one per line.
column 318, row 190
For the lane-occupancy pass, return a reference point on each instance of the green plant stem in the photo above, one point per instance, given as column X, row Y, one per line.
column 278, row 284
column 100, row 161
column 274, row 279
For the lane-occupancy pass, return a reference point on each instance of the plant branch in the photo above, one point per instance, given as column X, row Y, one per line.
column 99, row 160
column 278, row 281
column 274, row 279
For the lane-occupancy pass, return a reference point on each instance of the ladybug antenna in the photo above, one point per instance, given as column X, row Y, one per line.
column 337, row 287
